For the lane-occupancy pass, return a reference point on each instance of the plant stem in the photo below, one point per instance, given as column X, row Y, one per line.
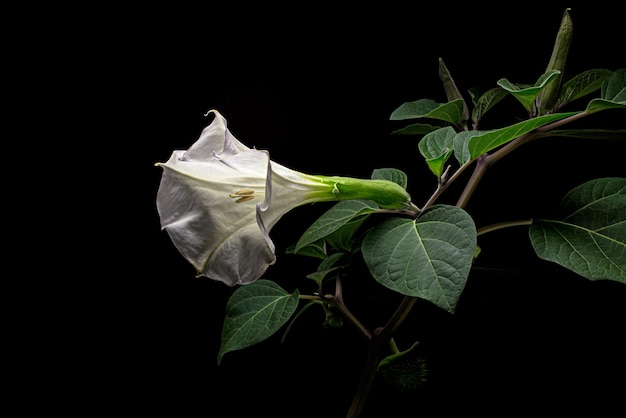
column 501, row 225
column 472, row 183
column 330, row 299
column 338, row 299
column 380, row 340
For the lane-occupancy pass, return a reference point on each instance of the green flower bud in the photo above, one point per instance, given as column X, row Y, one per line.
column 549, row 95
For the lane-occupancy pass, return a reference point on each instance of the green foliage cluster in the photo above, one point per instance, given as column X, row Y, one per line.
column 428, row 255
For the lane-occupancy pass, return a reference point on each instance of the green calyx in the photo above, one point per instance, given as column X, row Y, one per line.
column 384, row 193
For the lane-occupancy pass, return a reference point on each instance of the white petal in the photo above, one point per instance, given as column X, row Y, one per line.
column 200, row 215
column 218, row 236
column 241, row 259
column 215, row 138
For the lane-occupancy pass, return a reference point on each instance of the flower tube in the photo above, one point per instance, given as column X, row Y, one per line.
column 219, row 199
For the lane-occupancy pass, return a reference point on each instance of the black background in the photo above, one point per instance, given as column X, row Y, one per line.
column 315, row 86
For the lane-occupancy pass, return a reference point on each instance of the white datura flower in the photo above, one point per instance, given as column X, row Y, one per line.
column 219, row 200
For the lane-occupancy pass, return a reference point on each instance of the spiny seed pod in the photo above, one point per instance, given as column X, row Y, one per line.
column 547, row 98
column 405, row 371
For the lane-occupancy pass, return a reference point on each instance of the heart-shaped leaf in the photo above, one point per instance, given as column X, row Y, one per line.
column 255, row 312
column 591, row 238
column 429, row 257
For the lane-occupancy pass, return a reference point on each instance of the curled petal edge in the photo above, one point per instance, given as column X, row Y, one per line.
column 264, row 206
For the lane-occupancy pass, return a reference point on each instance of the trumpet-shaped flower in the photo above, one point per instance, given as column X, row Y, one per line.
column 219, row 199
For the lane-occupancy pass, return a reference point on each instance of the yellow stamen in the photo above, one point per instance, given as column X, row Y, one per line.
column 244, row 199
column 242, row 195
column 242, row 192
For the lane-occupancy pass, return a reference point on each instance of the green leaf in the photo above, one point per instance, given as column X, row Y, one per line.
column 255, row 312
column 526, row 94
column 326, row 267
column 479, row 144
column 414, row 110
column 316, row 249
column 582, row 85
column 426, row 108
column 331, row 262
column 615, row 87
column 486, row 101
column 591, row 239
column 613, row 94
column 436, row 147
column 415, row 129
column 461, row 153
column 343, row 238
column 391, row 174
column 429, row 257
column 601, row 104
column 334, row 218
